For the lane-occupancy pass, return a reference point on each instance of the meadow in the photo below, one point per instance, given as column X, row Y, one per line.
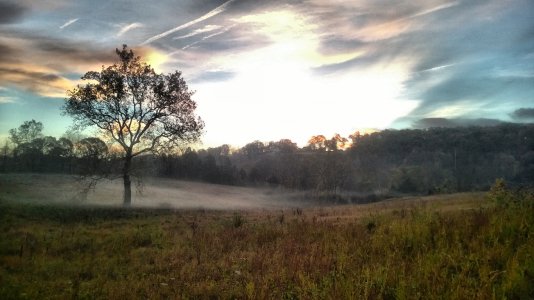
column 460, row 246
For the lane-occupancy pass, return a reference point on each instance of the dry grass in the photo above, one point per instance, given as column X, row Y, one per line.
column 435, row 203
column 453, row 247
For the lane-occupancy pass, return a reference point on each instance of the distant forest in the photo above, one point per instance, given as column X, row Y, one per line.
column 410, row 161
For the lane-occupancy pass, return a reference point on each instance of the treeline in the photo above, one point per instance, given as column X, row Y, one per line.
column 31, row 151
column 437, row 160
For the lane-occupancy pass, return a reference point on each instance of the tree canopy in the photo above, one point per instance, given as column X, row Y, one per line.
column 27, row 132
column 141, row 110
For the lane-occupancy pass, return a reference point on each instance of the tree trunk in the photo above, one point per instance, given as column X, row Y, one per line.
column 127, row 181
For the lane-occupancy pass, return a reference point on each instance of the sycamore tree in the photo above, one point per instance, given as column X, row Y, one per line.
column 139, row 109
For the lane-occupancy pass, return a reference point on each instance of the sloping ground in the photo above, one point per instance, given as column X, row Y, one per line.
column 177, row 194
column 400, row 206
column 449, row 247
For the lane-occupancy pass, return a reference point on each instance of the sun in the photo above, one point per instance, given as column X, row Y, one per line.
column 156, row 59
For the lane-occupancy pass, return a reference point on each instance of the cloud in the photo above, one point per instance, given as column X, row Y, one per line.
column 11, row 12
column 454, row 122
column 467, row 89
column 6, row 99
column 208, row 37
column 434, row 9
column 524, row 114
column 36, row 80
column 77, row 55
column 3, row 98
column 68, row 23
column 6, row 52
column 214, row 76
column 42, row 65
column 41, row 49
column 479, row 69
column 205, row 29
column 129, row 27
column 334, row 44
column 43, row 4
column 206, row 16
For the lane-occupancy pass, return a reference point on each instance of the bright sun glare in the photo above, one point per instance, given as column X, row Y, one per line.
column 156, row 59
column 276, row 93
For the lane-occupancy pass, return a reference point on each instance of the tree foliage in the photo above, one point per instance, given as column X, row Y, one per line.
column 144, row 112
column 27, row 132
column 141, row 110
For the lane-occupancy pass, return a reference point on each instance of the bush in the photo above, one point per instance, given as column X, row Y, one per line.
column 504, row 196
column 238, row 220
column 499, row 192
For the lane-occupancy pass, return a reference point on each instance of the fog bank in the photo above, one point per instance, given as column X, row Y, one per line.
column 154, row 192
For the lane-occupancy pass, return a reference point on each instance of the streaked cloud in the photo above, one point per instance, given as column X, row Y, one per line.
column 208, row 37
column 68, row 23
column 6, row 99
column 206, row 16
column 36, row 79
column 41, row 65
column 129, row 27
column 205, row 29
column 435, row 9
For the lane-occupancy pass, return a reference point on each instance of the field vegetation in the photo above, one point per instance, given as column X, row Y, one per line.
column 462, row 246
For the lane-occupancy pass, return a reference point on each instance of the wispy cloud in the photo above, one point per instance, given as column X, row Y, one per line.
column 37, row 79
column 45, row 66
column 210, row 14
column 5, row 99
column 435, row 9
column 129, row 27
column 209, row 36
column 438, row 68
column 205, row 29
column 68, row 23
column 397, row 26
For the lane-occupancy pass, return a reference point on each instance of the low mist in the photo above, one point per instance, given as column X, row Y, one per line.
column 152, row 192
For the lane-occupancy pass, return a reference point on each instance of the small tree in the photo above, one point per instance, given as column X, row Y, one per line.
column 26, row 133
column 144, row 112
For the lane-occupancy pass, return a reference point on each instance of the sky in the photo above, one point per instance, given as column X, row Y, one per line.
column 270, row 70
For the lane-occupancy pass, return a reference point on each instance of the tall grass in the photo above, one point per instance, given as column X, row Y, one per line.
column 408, row 253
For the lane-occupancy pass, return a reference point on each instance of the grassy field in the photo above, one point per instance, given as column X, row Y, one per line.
column 464, row 246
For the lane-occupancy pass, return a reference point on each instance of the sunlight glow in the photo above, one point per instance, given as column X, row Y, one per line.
column 276, row 100
column 294, row 38
column 156, row 59
column 276, row 95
